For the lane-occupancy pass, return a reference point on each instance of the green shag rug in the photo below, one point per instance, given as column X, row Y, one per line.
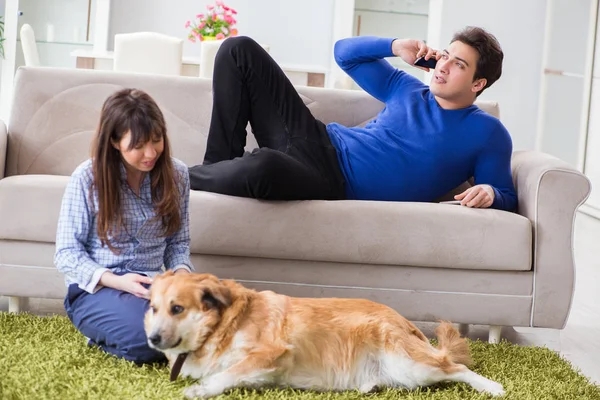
column 46, row 358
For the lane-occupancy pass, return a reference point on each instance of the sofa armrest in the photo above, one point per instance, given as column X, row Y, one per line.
column 549, row 193
column 3, row 148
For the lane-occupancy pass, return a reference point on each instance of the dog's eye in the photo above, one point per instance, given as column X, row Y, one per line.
column 176, row 310
column 153, row 309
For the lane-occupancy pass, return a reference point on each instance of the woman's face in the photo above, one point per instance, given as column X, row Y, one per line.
column 143, row 156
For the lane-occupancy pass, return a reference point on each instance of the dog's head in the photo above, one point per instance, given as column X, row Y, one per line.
column 184, row 310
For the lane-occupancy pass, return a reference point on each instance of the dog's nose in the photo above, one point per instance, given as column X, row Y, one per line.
column 155, row 339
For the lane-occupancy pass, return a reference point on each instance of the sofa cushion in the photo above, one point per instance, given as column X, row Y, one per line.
column 386, row 233
column 30, row 205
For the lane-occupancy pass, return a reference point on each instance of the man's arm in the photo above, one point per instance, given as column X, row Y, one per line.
column 493, row 178
column 362, row 58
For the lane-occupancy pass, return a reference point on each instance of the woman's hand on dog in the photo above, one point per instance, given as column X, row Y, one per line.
column 132, row 283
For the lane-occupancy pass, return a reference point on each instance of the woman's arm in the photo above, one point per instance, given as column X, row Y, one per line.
column 73, row 233
column 74, row 224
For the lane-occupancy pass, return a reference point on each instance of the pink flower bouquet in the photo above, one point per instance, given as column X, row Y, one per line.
column 217, row 23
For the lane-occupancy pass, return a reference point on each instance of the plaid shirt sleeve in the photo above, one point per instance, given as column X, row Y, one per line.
column 74, row 224
column 177, row 252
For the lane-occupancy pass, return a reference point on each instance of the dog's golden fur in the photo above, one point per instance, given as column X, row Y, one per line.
column 235, row 336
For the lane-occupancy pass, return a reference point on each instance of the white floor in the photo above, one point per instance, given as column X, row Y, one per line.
column 579, row 342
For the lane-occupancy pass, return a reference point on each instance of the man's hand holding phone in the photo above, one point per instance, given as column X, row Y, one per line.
column 411, row 51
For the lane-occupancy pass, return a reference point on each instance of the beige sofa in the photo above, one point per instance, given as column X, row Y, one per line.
column 429, row 261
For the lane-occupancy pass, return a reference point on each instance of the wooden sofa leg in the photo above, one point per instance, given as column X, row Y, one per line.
column 17, row 304
column 463, row 329
column 495, row 333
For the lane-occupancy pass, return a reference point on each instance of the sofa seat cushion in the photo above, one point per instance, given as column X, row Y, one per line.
column 30, row 206
column 385, row 233
column 366, row 232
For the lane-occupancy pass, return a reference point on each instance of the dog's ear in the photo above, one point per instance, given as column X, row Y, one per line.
column 216, row 296
column 162, row 276
column 166, row 274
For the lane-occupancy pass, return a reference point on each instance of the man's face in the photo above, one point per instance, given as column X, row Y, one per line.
column 453, row 75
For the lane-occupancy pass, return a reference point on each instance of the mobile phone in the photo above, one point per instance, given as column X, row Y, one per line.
column 421, row 62
column 456, row 202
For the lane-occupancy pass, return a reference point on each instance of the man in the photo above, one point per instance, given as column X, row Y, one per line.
column 424, row 143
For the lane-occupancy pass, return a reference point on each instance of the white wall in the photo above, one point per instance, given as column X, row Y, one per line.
column 298, row 32
column 519, row 27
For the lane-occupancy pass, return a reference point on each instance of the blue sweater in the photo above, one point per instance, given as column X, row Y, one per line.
column 415, row 150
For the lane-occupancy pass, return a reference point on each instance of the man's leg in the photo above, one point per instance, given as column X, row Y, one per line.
column 113, row 320
column 250, row 87
column 265, row 174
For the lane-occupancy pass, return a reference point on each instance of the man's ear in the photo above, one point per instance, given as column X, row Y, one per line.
column 216, row 296
column 478, row 85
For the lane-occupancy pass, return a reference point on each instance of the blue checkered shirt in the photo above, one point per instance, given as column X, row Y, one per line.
column 142, row 247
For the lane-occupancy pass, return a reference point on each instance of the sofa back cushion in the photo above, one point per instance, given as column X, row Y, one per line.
column 56, row 110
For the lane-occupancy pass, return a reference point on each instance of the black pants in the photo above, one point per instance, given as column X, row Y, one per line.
column 295, row 159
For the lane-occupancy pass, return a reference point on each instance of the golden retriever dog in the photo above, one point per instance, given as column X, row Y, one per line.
column 230, row 336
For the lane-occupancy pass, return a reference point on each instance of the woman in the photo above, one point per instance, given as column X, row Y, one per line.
column 124, row 216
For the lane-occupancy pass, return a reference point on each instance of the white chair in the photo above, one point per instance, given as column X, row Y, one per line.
column 30, row 52
column 148, row 52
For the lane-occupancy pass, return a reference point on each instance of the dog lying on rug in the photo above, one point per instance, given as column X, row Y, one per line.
column 231, row 336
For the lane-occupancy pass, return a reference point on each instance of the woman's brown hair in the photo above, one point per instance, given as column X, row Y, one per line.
column 131, row 110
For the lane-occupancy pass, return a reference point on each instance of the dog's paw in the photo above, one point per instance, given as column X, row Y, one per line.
column 494, row 388
column 367, row 387
column 202, row 391
column 210, row 387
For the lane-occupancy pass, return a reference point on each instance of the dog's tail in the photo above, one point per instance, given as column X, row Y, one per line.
column 452, row 345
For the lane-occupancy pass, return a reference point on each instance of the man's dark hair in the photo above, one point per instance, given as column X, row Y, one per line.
column 489, row 65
